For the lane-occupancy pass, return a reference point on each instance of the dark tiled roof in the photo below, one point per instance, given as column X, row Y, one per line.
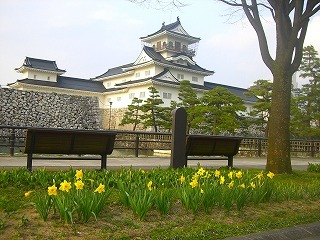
column 158, row 58
column 153, row 54
column 41, row 64
column 235, row 90
column 169, row 28
column 165, row 71
column 69, row 83
column 114, row 71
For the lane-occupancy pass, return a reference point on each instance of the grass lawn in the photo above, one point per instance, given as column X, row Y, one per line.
column 295, row 199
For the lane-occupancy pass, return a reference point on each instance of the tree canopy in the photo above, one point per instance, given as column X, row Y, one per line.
column 305, row 117
column 291, row 20
column 260, row 112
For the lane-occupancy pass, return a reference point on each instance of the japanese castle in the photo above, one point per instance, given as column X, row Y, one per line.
column 166, row 58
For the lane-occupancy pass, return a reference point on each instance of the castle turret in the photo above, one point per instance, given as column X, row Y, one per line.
column 39, row 69
column 172, row 39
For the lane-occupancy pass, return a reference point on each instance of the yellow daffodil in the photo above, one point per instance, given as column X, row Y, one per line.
column 253, row 185
column 231, row 184
column 242, row 185
column 79, row 174
column 230, row 175
column 270, row 175
column 239, row 174
column 149, row 185
column 201, row 171
column 217, row 173
column 182, row 179
column 201, row 191
column 100, row 189
column 260, row 175
column 79, row 185
column 222, row 180
column 208, row 175
column 52, row 190
column 65, row 186
column 194, row 183
column 27, row 194
column 195, row 176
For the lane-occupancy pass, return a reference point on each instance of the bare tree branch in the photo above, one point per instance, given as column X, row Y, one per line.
column 160, row 4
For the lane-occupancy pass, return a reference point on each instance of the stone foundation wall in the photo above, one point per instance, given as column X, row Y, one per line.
column 111, row 118
column 108, row 121
column 40, row 109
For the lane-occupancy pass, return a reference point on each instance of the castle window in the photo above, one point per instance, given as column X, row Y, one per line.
column 177, row 46
column 164, row 45
column 137, row 74
column 147, row 73
column 158, row 45
column 194, row 79
column 170, row 44
column 180, row 76
column 167, row 95
column 48, row 78
column 34, row 76
column 118, row 99
column 184, row 48
column 131, row 95
column 142, row 94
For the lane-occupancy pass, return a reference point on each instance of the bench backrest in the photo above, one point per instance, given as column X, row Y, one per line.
column 202, row 145
column 62, row 141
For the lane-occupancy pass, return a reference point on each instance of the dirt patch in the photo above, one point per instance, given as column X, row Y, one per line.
column 117, row 222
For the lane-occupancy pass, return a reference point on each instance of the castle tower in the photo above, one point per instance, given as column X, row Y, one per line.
column 172, row 39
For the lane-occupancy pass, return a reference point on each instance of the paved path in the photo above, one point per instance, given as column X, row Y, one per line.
column 147, row 163
column 301, row 232
column 310, row 231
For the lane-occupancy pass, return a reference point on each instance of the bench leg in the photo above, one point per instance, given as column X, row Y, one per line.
column 230, row 161
column 29, row 162
column 104, row 161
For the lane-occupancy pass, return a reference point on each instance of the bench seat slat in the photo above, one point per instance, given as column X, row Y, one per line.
column 213, row 147
column 67, row 158
column 69, row 142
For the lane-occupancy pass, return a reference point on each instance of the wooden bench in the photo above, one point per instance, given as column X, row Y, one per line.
column 68, row 142
column 213, row 147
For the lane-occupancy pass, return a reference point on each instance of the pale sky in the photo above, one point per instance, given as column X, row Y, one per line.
column 86, row 38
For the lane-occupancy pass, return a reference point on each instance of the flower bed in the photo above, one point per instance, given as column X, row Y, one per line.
column 81, row 195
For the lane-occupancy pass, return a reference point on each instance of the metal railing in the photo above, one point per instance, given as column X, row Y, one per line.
column 13, row 138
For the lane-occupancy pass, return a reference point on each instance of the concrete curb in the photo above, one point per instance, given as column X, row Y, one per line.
column 310, row 231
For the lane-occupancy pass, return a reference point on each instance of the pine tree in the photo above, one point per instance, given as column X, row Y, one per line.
column 132, row 115
column 305, row 119
column 262, row 89
column 221, row 111
column 152, row 111
column 189, row 100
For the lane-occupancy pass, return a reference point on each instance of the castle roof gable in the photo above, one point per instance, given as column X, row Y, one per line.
column 114, row 71
column 40, row 64
column 174, row 28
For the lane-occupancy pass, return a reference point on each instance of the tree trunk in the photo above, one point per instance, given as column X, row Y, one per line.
column 278, row 160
